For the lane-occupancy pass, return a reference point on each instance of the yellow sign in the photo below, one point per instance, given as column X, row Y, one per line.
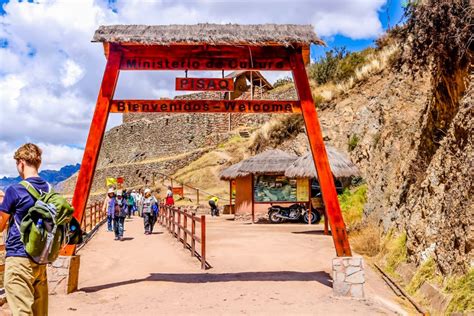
column 111, row 182
column 302, row 190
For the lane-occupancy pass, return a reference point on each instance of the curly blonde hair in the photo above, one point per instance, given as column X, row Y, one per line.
column 30, row 153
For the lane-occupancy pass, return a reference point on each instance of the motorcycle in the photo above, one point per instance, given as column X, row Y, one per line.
column 294, row 212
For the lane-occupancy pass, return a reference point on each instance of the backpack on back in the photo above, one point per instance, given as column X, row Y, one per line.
column 44, row 229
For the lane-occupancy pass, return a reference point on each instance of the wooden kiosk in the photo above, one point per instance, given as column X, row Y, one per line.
column 209, row 47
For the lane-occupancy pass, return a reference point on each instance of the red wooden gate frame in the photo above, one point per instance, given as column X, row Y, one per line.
column 200, row 57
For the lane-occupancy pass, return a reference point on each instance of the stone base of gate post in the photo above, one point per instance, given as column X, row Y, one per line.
column 348, row 277
column 63, row 275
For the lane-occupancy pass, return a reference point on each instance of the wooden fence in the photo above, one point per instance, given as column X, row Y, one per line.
column 93, row 218
column 181, row 224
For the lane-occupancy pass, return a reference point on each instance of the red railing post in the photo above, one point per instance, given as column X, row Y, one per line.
column 90, row 215
column 185, row 225
column 193, row 234
column 179, row 224
column 203, row 242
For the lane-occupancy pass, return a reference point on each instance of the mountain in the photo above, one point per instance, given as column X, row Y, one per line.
column 52, row 176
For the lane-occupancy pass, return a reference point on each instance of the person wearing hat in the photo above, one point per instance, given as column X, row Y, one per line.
column 120, row 212
column 109, row 206
column 149, row 202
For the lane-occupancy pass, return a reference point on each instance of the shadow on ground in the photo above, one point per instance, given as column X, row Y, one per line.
column 279, row 276
column 313, row 232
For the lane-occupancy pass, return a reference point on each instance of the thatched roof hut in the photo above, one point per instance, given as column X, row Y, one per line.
column 273, row 161
column 232, row 172
column 341, row 166
column 211, row 34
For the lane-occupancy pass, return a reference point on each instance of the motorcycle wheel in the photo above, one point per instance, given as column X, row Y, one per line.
column 274, row 219
column 315, row 217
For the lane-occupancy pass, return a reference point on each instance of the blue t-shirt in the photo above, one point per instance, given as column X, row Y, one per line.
column 17, row 202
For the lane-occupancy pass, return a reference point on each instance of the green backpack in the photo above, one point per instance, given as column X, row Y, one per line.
column 45, row 228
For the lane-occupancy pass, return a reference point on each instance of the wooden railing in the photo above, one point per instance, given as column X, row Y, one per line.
column 93, row 217
column 181, row 224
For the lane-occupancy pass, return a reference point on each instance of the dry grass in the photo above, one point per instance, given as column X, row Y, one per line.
column 204, row 172
column 367, row 240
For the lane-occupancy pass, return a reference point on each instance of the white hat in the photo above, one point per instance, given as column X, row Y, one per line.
column 147, row 190
column 119, row 192
column 111, row 190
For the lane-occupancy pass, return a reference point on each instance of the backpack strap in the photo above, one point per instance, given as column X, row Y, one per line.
column 31, row 189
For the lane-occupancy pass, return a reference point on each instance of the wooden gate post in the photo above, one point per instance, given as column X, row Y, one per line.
column 318, row 150
column 94, row 140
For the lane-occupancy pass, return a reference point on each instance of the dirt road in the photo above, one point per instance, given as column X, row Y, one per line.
column 257, row 270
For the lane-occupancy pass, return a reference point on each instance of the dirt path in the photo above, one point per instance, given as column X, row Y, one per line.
column 257, row 269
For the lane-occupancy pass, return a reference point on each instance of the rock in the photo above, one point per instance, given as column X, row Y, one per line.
column 356, row 278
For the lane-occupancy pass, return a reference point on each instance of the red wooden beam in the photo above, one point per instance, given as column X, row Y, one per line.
column 205, row 57
column 205, row 106
column 318, row 150
column 94, row 140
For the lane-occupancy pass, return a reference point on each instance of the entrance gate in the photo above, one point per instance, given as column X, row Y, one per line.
column 216, row 48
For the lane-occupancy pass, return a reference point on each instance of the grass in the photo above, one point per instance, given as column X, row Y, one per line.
column 425, row 272
column 367, row 241
column 395, row 249
column 203, row 173
column 352, row 204
column 462, row 291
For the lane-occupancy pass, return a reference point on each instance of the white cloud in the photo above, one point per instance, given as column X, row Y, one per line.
column 71, row 73
column 50, row 72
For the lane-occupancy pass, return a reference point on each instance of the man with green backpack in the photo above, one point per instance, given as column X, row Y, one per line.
column 39, row 222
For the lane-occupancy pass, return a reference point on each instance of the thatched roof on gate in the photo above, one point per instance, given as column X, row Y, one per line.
column 273, row 161
column 341, row 165
column 212, row 34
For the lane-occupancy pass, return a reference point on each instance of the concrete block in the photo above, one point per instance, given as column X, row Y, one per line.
column 356, row 278
column 341, row 289
column 357, row 290
column 348, row 277
column 352, row 269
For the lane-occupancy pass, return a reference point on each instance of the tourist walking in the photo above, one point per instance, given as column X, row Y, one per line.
column 169, row 197
column 109, row 207
column 130, row 204
column 213, row 204
column 149, row 205
column 120, row 212
column 26, row 283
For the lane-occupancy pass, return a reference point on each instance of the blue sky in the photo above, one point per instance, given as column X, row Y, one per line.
column 50, row 72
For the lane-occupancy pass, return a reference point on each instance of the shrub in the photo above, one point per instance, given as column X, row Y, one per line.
column 462, row 291
column 366, row 241
column 352, row 204
column 425, row 272
column 396, row 251
column 352, row 143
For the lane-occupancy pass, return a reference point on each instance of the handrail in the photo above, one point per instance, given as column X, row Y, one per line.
column 175, row 220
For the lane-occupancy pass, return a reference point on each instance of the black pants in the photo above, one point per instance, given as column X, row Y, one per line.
column 214, row 209
column 149, row 222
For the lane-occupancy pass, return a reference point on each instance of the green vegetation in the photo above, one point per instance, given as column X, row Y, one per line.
column 462, row 290
column 352, row 143
column 425, row 272
column 396, row 251
column 282, row 82
column 337, row 65
column 352, row 204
